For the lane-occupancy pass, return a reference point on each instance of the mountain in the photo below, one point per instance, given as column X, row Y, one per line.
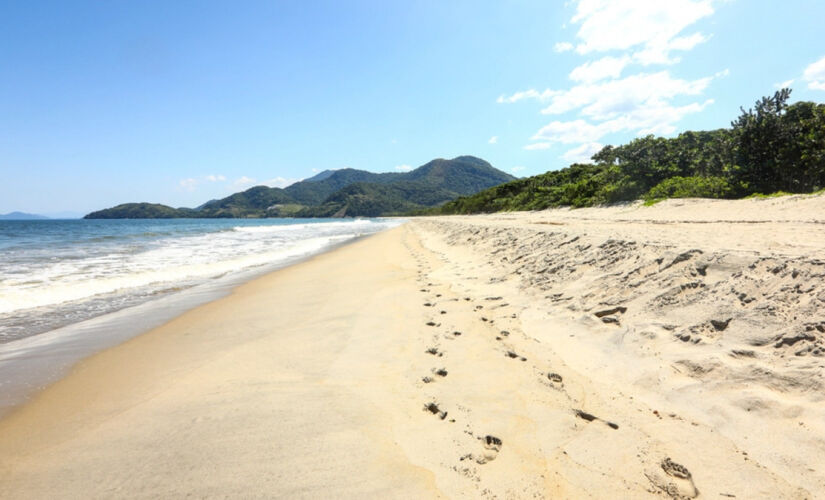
column 263, row 200
column 258, row 198
column 320, row 176
column 21, row 216
column 315, row 191
column 429, row 185
column 374, row 199
column 347, row 191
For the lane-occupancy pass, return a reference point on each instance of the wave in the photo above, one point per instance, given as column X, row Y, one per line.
column 160, row 263
column 357, row 223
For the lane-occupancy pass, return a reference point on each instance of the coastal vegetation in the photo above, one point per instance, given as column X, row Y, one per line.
column 338, row 193
column 775, row 146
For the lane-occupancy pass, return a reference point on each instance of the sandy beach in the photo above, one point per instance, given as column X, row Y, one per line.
column 673, row 351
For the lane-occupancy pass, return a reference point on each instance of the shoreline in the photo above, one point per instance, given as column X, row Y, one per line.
column 31, row 364
column 132, row 381
column 515, row 355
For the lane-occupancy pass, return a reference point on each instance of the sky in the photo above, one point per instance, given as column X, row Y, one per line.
column 181, row 102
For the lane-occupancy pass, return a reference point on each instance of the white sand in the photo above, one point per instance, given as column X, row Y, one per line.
column 314, row 381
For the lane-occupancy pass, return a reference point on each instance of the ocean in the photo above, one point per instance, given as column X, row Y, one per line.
column 71, row 287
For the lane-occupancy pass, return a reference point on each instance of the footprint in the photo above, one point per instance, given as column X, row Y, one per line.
column 511, row 354
column 610, row 316
column 585, row 416
column 492, row 446
column 677, row 481
column 589, row 418
column 435, row 410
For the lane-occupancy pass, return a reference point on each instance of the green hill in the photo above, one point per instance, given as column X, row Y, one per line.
column 431, row 184
column 141, row 211
column 347, row 192
column 315, row 191
column 256, row 199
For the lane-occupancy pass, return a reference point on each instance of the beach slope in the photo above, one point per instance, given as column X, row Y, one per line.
column 673, row 351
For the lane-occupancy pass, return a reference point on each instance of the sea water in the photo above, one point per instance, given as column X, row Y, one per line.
column 71, row 287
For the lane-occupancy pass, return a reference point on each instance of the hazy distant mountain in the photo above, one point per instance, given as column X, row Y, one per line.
column 21, row 216
column 342, row 192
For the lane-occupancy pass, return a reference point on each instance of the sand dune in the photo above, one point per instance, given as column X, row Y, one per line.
column 668, row 351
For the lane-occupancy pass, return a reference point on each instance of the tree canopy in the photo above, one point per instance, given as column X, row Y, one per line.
column 774, row 146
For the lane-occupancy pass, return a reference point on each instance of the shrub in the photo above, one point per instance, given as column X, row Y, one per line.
column 691, row 187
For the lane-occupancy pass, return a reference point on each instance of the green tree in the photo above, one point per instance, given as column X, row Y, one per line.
column 760, row 134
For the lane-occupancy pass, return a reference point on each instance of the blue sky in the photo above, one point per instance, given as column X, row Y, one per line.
column 180, row 102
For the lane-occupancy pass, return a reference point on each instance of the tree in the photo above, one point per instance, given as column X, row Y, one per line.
column 760, row 135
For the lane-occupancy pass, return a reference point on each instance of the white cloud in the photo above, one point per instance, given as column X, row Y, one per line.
column 660, row 53
column 583, row 153
column 244, row 181
column 814, row 74
column 785, row 84
column 279, row 182
column 606, row 67
column 563, row 47
column 517, row 169
column 493, row 140
column 640, row 103
column 527, row 94
column 654, row 117
column 602, row 101
column 403, row 168
column 605, row 100
column 650, row 29
column 650, row 117
column 189, row 183
column 570, row 132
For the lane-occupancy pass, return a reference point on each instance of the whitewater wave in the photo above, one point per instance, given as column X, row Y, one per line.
column 113, row 270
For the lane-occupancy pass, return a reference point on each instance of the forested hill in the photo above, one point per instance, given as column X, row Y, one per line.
column 343, row 192
column 773, row 147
